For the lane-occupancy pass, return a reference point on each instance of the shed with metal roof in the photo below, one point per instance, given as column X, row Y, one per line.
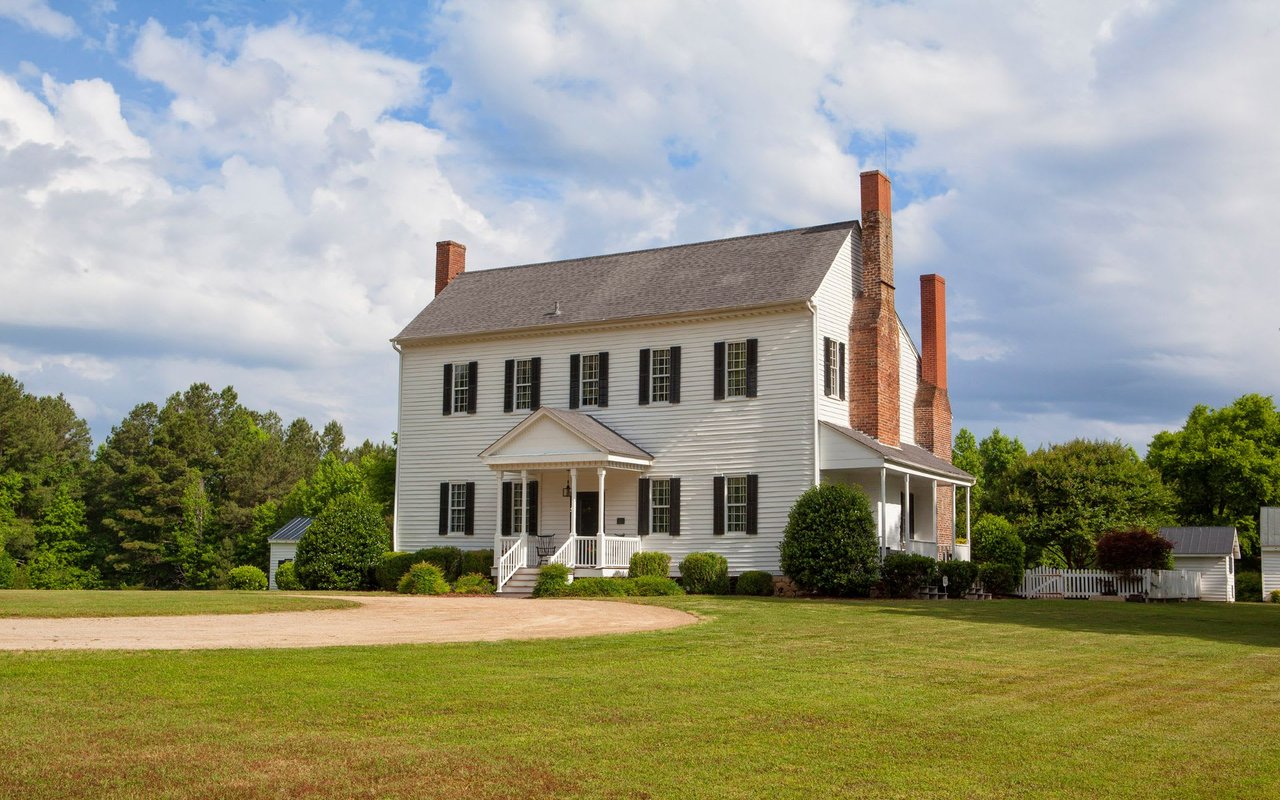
column 1211, row 551
column 283, row 545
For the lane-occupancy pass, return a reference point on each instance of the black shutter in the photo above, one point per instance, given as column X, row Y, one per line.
column 536, row 376
column 575, row 368
column 826, row 366
column 448, row 389
column 533, row 508
column 675, row 375
column 843, row 364
column 644, row 377
column 719, row 370
column 471, row 508
column 604, row 380
column 751, row 367
column 473, row 385
column 674, row 524
column 753, row 484
column 444, row 508
column 509, row 386
column 717, row 497
column 642, row 511
column 508, row 503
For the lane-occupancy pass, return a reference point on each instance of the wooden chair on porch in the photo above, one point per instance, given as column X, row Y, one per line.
column 545, row 546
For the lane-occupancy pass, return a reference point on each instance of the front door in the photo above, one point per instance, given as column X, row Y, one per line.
column 588, row 513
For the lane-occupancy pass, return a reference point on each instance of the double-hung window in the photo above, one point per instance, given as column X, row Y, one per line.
column 589, row 380
column 590, row 386
column 660, row 375
column 517, row 509
column 735, row 504
column 457, row 508
column 521, row 379
column 524, row 384
column 833, row 374
column 660, row 506
column 735, row 369
column 461, row 387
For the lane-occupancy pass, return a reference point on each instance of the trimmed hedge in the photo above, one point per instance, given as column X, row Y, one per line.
column 755, row 582
column 655, row 586
column 476, row 562
column 553, row 581
column 287, row 577
column 996, row 541
column 644, row 586
column 647, row 563
column 705, row 573
column 450, row 560
column 903, row 575
column 960, row 575
column 424, row 578
column 1000, row 578
column 829, row 545
column 246, row 578
column 473, row 583
column 344, row 545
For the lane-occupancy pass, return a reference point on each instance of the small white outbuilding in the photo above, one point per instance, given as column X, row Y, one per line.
column 283, row 545
column 1210, row 551
column 1269, row 533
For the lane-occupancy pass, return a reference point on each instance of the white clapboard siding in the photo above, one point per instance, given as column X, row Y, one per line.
column 1216, row 578
column 770, row 435
column 834, row 305
column 280, row 553
column 908, row 375
column 1270, row 570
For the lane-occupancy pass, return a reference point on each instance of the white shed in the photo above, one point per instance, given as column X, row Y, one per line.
column 284, row 545
column 1269, row 533
column 1210, row 551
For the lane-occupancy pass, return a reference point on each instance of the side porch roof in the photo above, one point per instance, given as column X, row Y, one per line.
column 560, row 438
column 846, row 448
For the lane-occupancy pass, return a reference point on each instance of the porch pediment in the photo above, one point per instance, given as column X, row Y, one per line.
column 555, row 437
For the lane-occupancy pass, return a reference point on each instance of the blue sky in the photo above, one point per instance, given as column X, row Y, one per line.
column 249, row 193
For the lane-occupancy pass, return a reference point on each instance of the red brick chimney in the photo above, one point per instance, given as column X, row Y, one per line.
column 932, row 406
column 873, row 330
column 451, row 260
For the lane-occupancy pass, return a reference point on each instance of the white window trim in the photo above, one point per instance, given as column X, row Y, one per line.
column 517, row 509
column 653, row 375
column 461, row 385
column 516, row 385
column 457, row 508
column 582, row 379
column 654, row 507
column 729, row 347
column 831, row 362
column 729, row 480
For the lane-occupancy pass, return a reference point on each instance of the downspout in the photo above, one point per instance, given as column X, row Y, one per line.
column 813, row 389
column 395, row 510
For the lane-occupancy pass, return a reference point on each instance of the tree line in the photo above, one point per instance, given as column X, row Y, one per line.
column 175, row 497
column 1218, row 469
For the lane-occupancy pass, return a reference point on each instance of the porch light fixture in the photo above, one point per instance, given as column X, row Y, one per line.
column 565, row 491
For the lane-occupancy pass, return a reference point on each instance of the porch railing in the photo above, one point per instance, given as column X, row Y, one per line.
column 565, row 555
column 617, row 551
column 585, row 551
column 516, row 556
column 921, row 548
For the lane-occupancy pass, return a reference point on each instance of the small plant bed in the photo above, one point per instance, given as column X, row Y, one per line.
column 85, row 603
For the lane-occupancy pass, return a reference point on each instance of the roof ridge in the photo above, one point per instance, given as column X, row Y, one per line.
column 852, row 223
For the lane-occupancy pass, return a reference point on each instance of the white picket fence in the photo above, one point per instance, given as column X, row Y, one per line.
column 1154, row 584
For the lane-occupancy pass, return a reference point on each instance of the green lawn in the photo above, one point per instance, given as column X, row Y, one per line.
column 766, row 698
column 39, row 603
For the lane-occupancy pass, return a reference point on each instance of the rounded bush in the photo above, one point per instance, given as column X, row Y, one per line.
column 287, row 577
column 424, row 578
column 647, row 563
column 553, row 581
column 343, row 546
column 1274, row 597
column 829, row 545
column 1132, row 550
column 995, row 541
column 755, row 582
column 960, row 575
column 473, row 583
column 655, row 586
column 999, row 578
column 246, row 578
column 905, row 574
column 705, row 573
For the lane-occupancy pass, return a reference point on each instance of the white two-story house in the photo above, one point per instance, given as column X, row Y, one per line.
column 677, row 399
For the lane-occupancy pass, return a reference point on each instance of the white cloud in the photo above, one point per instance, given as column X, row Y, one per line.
column 39, row 17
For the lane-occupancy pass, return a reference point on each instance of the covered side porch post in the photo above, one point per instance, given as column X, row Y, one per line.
column 600, row 476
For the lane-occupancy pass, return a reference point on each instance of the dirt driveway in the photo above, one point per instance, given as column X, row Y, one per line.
column 378, row 620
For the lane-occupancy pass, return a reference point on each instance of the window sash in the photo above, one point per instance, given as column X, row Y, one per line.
column 457, row 508
column 524, row 384
column 833, row 367
column 735, row 366
column 461, row 386
column 660, row 375
column 517, row 508
column 735, row 504
column 660, row 505
column 589, row 382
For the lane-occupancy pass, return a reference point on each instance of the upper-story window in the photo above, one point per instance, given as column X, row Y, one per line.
column 460, row 384
column 522, row 379
column 833, row 374
column 735, row 369
column 589, row 380
column 660, row 375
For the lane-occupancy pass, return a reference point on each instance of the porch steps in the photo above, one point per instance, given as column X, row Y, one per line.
column 521, row 583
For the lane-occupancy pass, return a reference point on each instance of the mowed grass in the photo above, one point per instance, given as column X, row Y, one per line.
column 39, row 603
column 764, row 699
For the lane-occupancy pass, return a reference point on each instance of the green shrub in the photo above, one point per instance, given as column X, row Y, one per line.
column 448, row 559
column 473, row 583
column 424, row 578
column 999, row 578
column 829, row 545
column 1249, row 586
column 8, row 569
column 479, row 562
column 600, row 587
column 960, row 575
column 1274, row 597
column 246, row 577
column 654, row 586
column 393, row 566
column 905, row 574
column 553, row 581
column 705, row 573
column 343, row 546
column 649, row 563
column 287, row 577
column 755, row 582
column 995, row 541
column 1133, row 549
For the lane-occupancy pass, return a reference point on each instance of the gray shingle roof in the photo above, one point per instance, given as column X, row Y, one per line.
column 586, row 426
column 747, row 271
column 292, row 530
column 1202, row 541
column 907, row 455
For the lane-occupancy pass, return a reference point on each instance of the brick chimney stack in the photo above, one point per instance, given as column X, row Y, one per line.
column 873, row 330
column 932, row 406
column 451, row 261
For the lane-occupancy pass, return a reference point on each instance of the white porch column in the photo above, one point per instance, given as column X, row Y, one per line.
column 573, row 502
column 933, row 506
column 497, row 522
column 884, row 541
column 524, row 501
column 600, row 521
column 905, row 533
column 966, row 516
column 953, row 518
